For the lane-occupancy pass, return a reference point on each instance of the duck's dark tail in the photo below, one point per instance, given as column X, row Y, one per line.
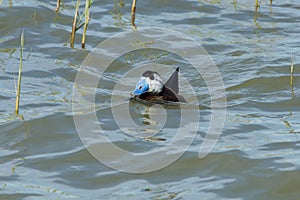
column 173, row 81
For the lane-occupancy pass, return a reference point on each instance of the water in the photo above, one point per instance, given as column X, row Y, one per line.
column 257, row 154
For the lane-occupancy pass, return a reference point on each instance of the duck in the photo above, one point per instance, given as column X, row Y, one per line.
column 150, row 87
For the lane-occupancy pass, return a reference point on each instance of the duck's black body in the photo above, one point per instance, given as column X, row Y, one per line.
column 151, row 88
column 167, row 94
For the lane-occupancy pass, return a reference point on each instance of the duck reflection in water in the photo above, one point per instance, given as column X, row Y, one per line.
column 148, row 115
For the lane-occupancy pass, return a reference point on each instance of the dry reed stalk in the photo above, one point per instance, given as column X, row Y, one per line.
column 133, row 8
column 88, row 4
column 292, row 71
column 18, row 95
column 57, row 5
column 74, row 25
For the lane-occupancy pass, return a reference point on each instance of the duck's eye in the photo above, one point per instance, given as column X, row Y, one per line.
column 140, row 87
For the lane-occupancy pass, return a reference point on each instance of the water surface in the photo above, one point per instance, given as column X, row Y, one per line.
column 257, row 155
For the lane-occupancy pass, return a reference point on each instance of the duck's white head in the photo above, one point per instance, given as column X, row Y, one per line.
column 149, row 82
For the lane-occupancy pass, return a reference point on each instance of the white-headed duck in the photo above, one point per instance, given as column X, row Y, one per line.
column 151, row 87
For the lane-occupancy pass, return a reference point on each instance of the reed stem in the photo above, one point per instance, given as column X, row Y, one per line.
column 292, row 71
column 256, row 5
column 18, row 95
column 133, row 8
column 57, row 5
column 74, row 24
column 88, row 4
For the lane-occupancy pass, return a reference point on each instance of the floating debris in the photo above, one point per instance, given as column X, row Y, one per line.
column 154, row 139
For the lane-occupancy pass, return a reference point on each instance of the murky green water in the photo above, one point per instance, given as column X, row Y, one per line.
column 257, row 154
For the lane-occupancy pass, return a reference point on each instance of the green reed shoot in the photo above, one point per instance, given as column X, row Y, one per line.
column 133, row 8
column 74, row 24
column 88, row 4
column 20, row 75
column 256, row 5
